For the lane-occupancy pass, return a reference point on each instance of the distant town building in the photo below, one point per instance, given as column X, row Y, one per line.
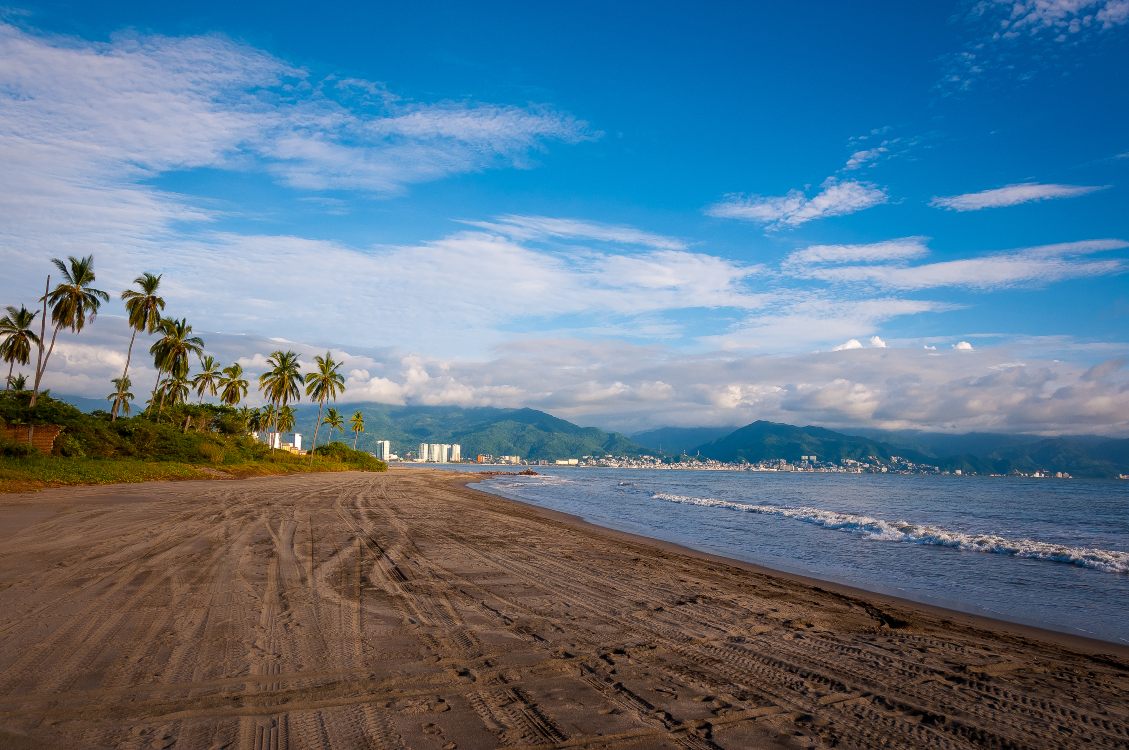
column 383, row 449
column 456, row 452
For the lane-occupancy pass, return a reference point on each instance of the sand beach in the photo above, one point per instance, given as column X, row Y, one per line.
column 405, row 610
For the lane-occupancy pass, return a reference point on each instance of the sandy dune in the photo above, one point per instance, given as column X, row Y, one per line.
column 403, row 610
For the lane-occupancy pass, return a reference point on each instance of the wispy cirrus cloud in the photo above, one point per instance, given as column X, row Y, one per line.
column 834, row 198
column 1033, row 266
column 905, row 248
column 98, row 114
column 801, row 321
column 88, row 128
column 1012, row 195
column 540, row 227
column 457, row 295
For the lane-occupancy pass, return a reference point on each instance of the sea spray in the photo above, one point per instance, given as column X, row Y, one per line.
column 1109, row 561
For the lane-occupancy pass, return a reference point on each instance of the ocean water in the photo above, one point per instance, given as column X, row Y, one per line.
column 1051, row 553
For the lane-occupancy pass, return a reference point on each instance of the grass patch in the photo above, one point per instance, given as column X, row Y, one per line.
column 40, row 472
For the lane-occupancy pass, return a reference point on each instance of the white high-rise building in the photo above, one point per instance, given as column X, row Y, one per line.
column 423, row 451
column 383, row 449
column 433, row 453
column 456, row 452
column 444, row 453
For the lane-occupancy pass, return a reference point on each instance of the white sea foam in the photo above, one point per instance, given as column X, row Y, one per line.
column 510, row 481
column 1110, row 561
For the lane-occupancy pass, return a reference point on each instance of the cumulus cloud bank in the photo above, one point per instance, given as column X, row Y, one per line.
column 628, row 387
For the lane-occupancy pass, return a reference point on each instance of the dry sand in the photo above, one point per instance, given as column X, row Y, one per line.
column 404, row 610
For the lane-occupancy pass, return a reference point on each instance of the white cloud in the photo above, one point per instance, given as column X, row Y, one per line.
column 1017, row 37
column 1031, row 266
column 795, row 322
column 1012, row 195
column 865, row 157
column 539, row 227
column 457, row 295
column 85, row 126
column 905, row 248
column 847, row 345
column 1060, row 17
column 618, row 385
column 962, row 346
column 877, row 342
column 835, row 198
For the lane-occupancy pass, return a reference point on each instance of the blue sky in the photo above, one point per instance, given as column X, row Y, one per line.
column 865, row 214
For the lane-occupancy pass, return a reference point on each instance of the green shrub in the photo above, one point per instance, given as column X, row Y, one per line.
column 212, row 452
column 12, row 449
column 345, row 454
column 69, row 446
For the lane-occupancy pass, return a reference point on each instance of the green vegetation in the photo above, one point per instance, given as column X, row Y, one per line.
column 355, row 459
column 769, row 440
column 199, row 441
column 1081, row 456
column 170, row 438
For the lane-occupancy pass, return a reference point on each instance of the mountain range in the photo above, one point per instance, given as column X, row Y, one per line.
column 536, row 435
column 980, row 453
column 528, row 433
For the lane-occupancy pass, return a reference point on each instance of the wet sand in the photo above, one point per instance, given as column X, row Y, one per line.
column 405, row 610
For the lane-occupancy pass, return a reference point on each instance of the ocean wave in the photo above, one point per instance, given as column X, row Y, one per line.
column 510, row 481
column 1109, row 561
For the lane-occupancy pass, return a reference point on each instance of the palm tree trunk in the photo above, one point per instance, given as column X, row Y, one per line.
column 125, row 373
column 356, row 436
column 317, row 424
column 153, row 398
column 40, row 363
column 8, row 382
column 43, row 369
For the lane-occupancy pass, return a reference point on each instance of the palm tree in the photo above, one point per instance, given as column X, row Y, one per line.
column 358, row 424
column 208, row 377
column 175, row 389
column 324, row 383
column 121, row 395
column 144, row 311
column 334, row 421
column 245, row 413
column 171, row 352
column 19, row 382
column 73, row 303
column 267, row 416
column 255, row 420
column 15, row 328
column 285, row 419
column 280, row 383
column 233, row 387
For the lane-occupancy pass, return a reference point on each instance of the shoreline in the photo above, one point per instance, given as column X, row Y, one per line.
column 1082, row 643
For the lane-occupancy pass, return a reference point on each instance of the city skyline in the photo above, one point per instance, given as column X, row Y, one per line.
column 892, row 217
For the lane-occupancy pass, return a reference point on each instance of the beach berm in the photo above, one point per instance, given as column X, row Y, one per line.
column 403, row 609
